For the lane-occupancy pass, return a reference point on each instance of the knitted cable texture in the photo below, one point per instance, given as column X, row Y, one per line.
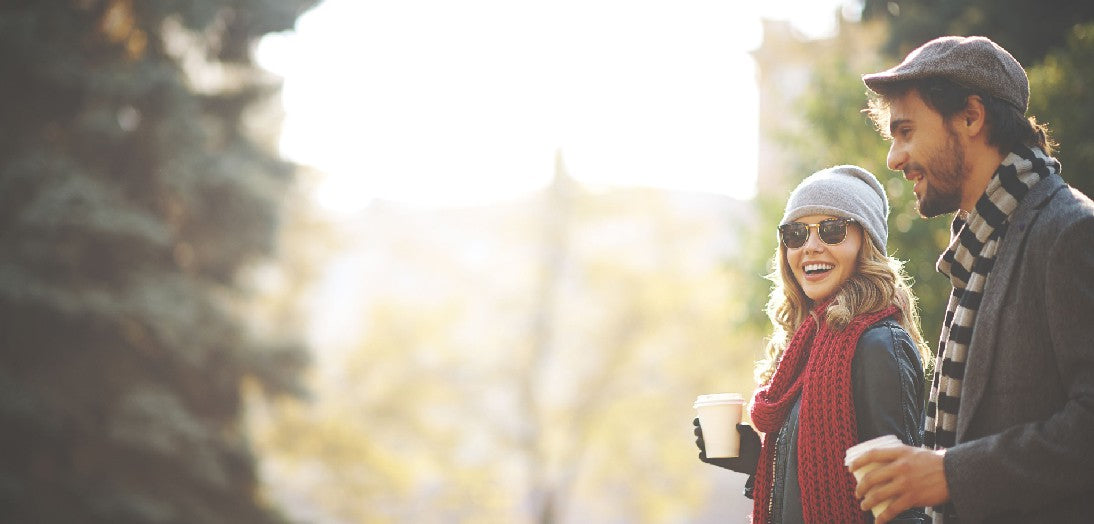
column 818, row 364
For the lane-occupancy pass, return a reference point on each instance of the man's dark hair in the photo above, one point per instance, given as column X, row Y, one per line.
column 1007, row 127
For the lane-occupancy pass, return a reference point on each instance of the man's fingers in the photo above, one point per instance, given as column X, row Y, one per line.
column 882, row 458
column 877, row 496
column 895, row 508
column 887, row 454
column 877, row 491
column 886, row 483
column 869, row 482
column 907, row 477
column 879, row 484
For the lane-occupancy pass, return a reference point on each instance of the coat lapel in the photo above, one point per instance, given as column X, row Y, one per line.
column 985, row 333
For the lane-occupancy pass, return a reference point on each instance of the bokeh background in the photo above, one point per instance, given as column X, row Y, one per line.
column 343, row 261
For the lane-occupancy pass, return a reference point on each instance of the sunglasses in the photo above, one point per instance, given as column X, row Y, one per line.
column 832, row 231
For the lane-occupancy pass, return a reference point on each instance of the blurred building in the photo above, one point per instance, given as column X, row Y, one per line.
column 785, row 65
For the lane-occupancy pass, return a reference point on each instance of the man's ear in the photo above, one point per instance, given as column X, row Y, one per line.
column 972, row 117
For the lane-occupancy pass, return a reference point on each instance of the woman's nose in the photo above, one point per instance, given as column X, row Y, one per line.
column 813, row 243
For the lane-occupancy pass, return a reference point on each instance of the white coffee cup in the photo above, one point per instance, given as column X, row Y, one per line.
column 719, row 414
column 857, row 450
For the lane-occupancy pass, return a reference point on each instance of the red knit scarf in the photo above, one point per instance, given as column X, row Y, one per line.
column 818, row 364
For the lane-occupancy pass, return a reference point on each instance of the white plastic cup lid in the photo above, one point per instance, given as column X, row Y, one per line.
column 719, row 398
column 883, row 441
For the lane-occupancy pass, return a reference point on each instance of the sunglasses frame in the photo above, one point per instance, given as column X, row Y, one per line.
column 809, row 231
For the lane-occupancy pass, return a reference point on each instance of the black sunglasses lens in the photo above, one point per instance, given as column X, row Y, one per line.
column 794, row 234
column 832, row 231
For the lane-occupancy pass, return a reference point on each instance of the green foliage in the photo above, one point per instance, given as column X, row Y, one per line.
column 542, row 368
column 757, row 249
column 838, row 132
column 131, row 201
column 1029, row 30
column 1063, row 97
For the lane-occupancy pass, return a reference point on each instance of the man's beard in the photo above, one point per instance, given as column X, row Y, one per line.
column 943, row 189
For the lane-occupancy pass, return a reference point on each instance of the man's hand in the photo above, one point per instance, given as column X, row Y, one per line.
column 748, row 456
column 909, row 477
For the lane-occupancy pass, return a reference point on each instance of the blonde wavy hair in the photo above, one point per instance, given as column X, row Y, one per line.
column 879, row 280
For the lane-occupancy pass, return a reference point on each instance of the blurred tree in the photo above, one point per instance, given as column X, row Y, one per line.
column 1062, row 88
column 136, row 185
column 525, row 363
column 1029, row 30
column 386, row 435
column 621, row 327
column 543, row 332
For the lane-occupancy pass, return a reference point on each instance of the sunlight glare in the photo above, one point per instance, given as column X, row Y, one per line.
column 445, row 103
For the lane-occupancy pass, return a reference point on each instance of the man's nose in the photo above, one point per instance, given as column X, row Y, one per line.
column 897, row 157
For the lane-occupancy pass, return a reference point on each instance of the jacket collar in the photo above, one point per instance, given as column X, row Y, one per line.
column 981, row 355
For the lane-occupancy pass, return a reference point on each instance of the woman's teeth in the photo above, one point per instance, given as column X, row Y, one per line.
column 811, row 269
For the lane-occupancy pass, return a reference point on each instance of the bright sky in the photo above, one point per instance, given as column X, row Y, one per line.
column 438, row 102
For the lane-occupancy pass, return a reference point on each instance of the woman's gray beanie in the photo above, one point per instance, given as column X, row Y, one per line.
column 847, row 192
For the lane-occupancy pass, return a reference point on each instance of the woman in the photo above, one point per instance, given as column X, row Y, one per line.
column 844, row 364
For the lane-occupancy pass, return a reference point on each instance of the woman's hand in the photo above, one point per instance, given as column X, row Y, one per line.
column 746, row 460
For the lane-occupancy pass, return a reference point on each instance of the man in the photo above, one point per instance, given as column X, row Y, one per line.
column 1009, row 434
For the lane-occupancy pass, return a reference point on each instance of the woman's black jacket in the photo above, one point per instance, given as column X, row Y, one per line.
column 887, row 379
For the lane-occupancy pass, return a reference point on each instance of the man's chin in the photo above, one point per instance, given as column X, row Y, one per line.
column 929, row 213
column 925, row 213
column 930, row 208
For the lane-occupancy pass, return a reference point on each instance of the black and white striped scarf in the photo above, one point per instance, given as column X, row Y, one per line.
column 974, row 242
